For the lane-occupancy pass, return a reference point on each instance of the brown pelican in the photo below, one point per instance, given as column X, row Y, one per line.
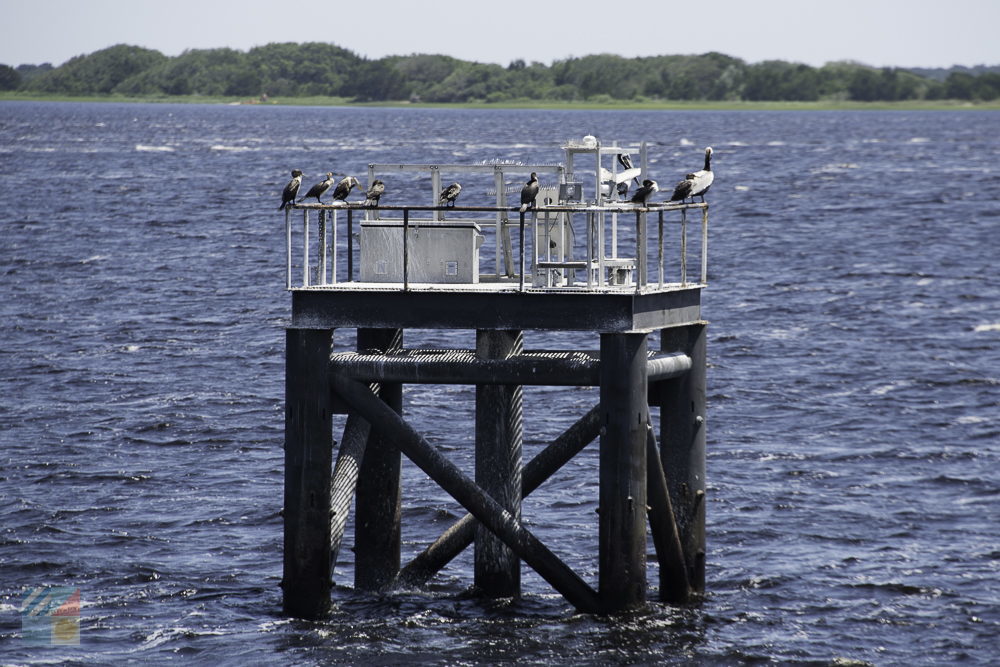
column 647, row 190
column 292, row 189
column 320, row 188
column 450, row 194
column 374, row 192
column 625, row 160
column 529, row 192
column 697, row 183
column 344, row 188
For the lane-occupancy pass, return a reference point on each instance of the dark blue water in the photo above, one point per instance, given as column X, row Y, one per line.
column 854, row 430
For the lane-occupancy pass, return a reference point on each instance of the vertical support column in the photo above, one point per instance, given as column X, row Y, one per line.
column 622, row 524
column 308, row 459
column 378, row 497
column 682, row 445
column 498, row 464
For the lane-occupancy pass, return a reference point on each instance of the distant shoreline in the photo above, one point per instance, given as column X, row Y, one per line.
column 553, row 105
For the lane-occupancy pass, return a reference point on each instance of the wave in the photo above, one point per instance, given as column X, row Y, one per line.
column 144, row 148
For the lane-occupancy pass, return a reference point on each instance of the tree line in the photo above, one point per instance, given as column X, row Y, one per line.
column 321, row 69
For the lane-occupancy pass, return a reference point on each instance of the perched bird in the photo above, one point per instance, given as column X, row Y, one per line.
column 292, row 189
column 625, row 160
column 344, row 188
column 450, row 194
column 374, row 192
column 529, row 192
column 696, row 184
column 647, row 190
column 320, row 188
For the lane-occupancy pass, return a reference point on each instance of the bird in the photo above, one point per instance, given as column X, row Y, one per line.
column 647, row 190
column 450, row 194
column 320, row 188
column 695, row 184
column 625, row 160
column 292, row 189
column 344, row 188
column 529, row 192
column 374, row 192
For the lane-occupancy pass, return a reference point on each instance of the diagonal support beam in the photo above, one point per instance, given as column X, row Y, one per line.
column 674, row 585
column 490, row 513
column 345, row 480
column 461, row 533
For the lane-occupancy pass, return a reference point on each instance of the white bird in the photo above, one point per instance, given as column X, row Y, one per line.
column 697, row 183
column 645, row 191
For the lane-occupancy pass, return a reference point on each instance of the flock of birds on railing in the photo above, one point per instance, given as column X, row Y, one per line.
column 694, row 184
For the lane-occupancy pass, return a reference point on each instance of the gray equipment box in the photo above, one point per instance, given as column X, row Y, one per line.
column 438, row 252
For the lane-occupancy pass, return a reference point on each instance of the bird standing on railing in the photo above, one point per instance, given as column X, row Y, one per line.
column 625, row 160
column 344, row 188
column 374, row 193
column 529, row 192
column 450, row 194
column 320, row 188
column 292, row 189
column 647, row 190
column 695, row 184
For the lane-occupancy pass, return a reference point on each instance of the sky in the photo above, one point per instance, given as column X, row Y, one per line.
column 881, row 33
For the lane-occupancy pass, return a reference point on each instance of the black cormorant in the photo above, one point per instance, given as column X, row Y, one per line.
column 344, row 187
column 647, row 190
column 374, row 192
column 320, row 188
column 450, row 194
column 529, row 192
column 292, row 189
column 697, row 183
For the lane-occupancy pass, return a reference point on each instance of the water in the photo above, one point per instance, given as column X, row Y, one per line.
column 854, row 498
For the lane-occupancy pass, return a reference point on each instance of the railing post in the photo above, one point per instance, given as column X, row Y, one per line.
column 684, row 247
column 288, row 248
column 305, row 247
column 521, row 244
column 350, row 245
column 321, row 242
column 406, row 249
column 704, row 245
column 659, row 246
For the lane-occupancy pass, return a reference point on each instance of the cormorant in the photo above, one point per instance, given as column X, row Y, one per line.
column 697, row 183
column 529, row 192
column 292, row 189
column 647, row 190
column 450, row 194
column 344, row 188
column 374, row 192
column 320, row 188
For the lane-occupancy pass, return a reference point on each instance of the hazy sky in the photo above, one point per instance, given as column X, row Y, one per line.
column 915, row 33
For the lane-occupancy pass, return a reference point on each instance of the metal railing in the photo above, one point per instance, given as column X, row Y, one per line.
column 613, row 259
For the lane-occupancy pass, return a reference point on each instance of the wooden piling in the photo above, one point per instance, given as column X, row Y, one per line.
column 674, row 585
column 682, row 446
column 497, row 570
column 308, row 459
column 622, row 504
column 377, row 530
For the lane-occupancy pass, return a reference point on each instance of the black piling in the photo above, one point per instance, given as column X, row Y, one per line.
column 622, row 505
column 377, row 529
column 498, row 464
column 308, row 463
